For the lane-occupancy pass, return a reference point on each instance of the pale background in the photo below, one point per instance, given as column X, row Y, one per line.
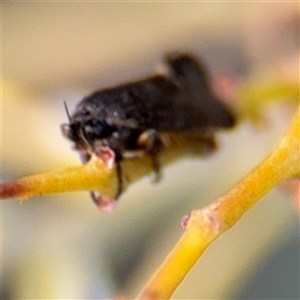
column 61, row 247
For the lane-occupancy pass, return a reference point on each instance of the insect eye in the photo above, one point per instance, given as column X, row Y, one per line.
column 94, row 129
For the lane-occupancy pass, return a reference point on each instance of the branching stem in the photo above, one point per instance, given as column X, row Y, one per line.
column 208, row 223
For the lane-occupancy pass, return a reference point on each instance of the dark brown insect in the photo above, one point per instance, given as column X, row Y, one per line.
column 129, row 119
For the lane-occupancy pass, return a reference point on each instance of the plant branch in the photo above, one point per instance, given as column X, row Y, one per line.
column 207, row 224
column 97, row 175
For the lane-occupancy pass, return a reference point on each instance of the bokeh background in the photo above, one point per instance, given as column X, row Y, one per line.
column 60, row 246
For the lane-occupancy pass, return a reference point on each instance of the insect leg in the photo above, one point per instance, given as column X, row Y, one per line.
column 152, row 145
column 119, row 178
column 156, row 167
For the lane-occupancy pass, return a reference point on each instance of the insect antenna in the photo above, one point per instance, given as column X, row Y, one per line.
column 67, row 111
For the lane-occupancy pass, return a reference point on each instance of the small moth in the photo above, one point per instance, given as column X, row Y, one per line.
column 130, row 119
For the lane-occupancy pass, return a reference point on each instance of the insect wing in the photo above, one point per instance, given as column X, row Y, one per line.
column 157, row 103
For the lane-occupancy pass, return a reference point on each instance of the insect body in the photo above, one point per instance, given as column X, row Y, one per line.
column 130, row 119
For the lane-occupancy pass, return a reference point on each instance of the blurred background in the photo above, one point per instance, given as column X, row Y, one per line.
column 61, row 246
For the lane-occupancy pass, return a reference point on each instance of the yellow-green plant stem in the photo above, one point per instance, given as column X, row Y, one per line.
column 207, row 224
column 253, row 97
column 95, row 175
